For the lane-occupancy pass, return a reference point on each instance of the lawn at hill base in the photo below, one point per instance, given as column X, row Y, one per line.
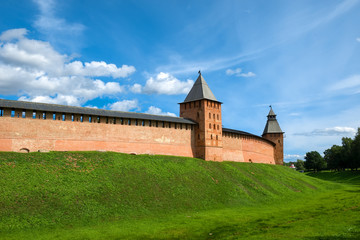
column 90, row 195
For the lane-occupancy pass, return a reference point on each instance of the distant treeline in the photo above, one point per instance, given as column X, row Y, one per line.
column 346, row 156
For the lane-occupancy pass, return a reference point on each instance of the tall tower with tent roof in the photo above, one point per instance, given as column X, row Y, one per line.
column 201, row 106
column 273, row 132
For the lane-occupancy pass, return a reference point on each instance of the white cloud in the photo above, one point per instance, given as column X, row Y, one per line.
column 249, row 74
column 32, row 55
column 293, row 156
column 350, row 82
column 334, row 131
column 91, row 106
column 59, row 99
column 56, row 29
column 136, row 88
column 37, row 72
column 164, row 83
column 294, row 114
column 358, row 39
column 13, row 34
column 157, row 111
column 125, row 105
column 96, row 69
column 238, row 72
column 232, row 72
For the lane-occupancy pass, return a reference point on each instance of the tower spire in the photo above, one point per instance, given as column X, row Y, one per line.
column 200, row 91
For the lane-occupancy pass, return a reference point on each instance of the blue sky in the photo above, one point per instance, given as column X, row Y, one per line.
column 302, row 57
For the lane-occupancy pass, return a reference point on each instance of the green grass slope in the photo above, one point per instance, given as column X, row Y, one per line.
column 113, row 191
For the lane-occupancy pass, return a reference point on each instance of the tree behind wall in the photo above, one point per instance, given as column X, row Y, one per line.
column 314, row 161
column 355, row 152
column 333, row 157
column 300, row 165
column 346, row 160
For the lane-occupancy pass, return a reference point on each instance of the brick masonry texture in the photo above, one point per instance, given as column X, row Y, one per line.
column 39, row 134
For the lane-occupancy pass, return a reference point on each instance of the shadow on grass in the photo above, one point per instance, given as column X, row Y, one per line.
column 335, row 238
column 348, row 177
column 352, row 234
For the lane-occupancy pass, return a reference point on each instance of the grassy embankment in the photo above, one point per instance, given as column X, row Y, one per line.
column 93, row 195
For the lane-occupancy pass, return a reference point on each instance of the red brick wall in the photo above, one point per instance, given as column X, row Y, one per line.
column 17, row 133
column 278, row 139
column 208, row 132
column 38, row 134
column 232, row 148
column 241, row 148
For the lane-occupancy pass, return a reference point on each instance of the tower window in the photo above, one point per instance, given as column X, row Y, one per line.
column 217, row 127
column 211, row 136
column 218, row 117
column 214, row 127
column 210, row 125
column 198, row 114
column 214, row 116
column 199, row 136
column 210, row 115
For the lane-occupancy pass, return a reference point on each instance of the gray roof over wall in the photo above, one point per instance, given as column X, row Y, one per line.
column 228, row 130
column 199, row 91
column 54, row 108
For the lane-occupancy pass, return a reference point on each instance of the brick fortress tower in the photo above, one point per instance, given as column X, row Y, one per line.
column 201, row 106
column 274, row 133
